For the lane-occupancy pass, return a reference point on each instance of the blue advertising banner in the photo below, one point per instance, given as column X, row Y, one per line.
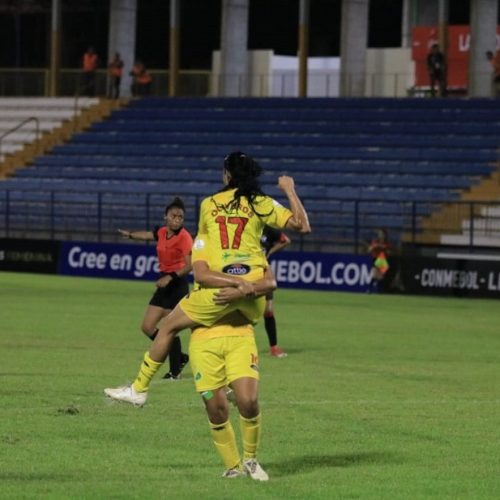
column 320, row 271
column 107, row 260
column 292, row 269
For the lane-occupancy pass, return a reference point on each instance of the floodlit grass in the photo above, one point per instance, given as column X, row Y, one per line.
column 381, row 397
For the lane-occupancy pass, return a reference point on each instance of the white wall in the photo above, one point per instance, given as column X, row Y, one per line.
column 389, row 73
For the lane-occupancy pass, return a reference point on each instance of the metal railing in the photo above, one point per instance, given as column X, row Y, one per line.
column 16, row 128
column 200, row 83
column 346, row 226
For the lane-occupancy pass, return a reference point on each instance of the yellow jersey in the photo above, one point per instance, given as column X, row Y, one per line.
column 232, row 242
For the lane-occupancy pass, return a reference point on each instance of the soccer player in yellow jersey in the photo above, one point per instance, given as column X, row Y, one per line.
column 230, row 228
column 225, row 354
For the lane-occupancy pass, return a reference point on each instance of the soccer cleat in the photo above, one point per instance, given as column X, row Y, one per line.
column 171, row 376
column 234, row 473
column 276, row 352
column 255, row 470
column 127, row 394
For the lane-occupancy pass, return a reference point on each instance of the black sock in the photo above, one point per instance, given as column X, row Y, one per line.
column 270, row 324
column 175, row 356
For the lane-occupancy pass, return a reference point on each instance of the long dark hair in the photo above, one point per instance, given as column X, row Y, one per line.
column 244, row 176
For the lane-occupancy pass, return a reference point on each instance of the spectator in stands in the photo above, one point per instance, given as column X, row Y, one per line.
column 436, row 66
column 173, row 247
column 379, row 249
column 141, row 80
column 90, row 62
column 494, row 60
column 272, row 241
column 115, row 71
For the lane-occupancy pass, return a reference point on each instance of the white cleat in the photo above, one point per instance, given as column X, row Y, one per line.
column 127, row 394
column 234, row 473
column 255, row 470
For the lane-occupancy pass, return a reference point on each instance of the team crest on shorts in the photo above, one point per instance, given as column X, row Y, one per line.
column 254, row 363
column 236, row 269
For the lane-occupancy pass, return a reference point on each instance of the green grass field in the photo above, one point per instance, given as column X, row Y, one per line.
column 381, row 397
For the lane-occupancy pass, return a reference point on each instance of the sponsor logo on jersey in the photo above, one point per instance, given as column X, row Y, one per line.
column 199, row 244
column 236, row 269
column 235, row 256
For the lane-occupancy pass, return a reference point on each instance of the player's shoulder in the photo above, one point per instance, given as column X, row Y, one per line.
column 185, row 234
column 205, row 201
column 159, row 231
column 269, row 203
column 210, row 201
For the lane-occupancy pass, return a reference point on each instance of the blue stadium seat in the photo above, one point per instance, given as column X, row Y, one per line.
column 383, row 159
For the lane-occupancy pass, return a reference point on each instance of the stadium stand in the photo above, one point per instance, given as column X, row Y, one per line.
column 48, row 114
column 359, row 163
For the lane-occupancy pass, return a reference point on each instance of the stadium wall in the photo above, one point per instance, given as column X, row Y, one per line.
column 465, row 277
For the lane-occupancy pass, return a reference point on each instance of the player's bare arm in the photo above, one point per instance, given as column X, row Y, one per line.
column 262, row 287
column 214, row 279
column 280, row 245
column 299, row 221
column 137, row 235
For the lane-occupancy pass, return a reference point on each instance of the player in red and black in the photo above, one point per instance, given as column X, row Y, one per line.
column 173, row 247
column 272, row 241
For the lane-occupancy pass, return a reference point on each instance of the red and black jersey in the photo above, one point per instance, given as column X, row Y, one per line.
column 270, row 237
column 172, row 251
column 378, row 247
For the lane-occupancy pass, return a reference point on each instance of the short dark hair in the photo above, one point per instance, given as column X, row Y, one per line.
column 175, row 203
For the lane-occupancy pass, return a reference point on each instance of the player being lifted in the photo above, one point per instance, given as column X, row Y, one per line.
column 230, row 228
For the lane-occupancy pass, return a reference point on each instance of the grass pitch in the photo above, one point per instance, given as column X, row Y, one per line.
column 381, row 397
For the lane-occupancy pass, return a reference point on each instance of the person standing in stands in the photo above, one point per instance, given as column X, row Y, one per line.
column 494, row 60
column 173, row 247
column 272, row 241
column 141, row 80
column 436, row 66
column 115, row 71
column 90, row 62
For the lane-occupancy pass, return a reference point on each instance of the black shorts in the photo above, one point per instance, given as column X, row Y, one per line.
column 169, row 296
column 269, row 295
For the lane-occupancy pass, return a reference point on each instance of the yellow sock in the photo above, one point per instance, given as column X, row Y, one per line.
column 250, row 433
column 146, row 373
column 225, row 442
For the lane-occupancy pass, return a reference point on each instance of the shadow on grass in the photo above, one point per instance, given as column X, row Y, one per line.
column 309, row 463
column 15, row 476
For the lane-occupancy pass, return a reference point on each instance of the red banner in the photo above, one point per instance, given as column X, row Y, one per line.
column 423, row 37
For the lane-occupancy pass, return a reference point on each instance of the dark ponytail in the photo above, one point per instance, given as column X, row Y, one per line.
column 245, row 173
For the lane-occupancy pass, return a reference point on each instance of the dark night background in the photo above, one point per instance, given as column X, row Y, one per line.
column 25, row 29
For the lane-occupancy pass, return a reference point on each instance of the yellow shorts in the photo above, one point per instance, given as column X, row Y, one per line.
column 199, row 305
column 217, row 362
